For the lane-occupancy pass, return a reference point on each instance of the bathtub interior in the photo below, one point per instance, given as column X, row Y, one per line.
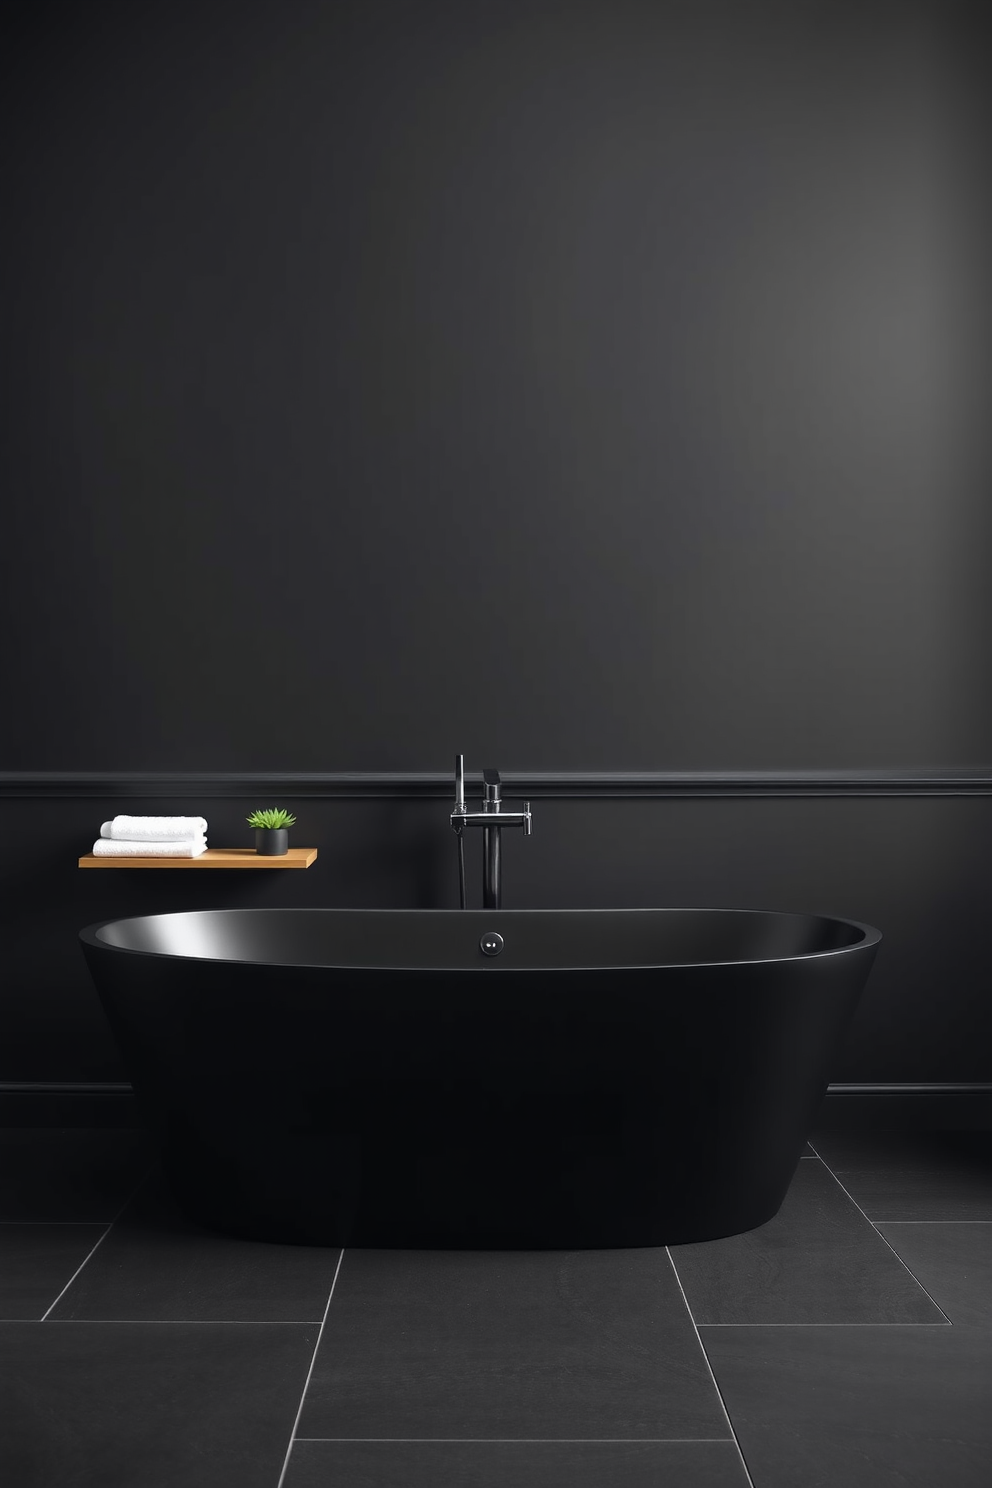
column 445, row 939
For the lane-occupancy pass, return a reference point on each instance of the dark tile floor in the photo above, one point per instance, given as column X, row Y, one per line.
column 848, row 1340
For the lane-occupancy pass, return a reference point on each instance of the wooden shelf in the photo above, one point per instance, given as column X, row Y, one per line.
column 214, row 857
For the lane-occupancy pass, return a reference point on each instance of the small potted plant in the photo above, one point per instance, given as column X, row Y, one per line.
column 271, row 831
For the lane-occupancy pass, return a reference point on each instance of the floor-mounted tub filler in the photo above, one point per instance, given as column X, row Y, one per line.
column 510, row 1079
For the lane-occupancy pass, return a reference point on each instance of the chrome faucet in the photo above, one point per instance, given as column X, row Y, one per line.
column 492, row 819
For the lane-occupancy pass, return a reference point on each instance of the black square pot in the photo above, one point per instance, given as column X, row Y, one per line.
column 271, row 842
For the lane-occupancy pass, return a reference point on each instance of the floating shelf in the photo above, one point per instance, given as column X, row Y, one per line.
column 214, row 857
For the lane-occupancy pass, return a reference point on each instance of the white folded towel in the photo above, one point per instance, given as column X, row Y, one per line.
column 189, row 847
column 154, row 828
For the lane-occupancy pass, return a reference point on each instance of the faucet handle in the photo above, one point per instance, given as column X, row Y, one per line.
column 528, row 828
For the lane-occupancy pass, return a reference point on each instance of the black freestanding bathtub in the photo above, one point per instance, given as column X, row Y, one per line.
column 374, row 1078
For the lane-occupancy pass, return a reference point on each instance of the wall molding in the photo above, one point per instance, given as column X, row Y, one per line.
column 889, row 1089
column 941, row 1106
column 537, row 785
column 842, row 1091
column 932, row 1106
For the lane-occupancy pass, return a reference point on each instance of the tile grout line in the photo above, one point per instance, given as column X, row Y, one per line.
column 706, row 1358
column 91, row 1253
column 948, row 1324
column 306, row 1382
column 519, row 1440
column 884, row 1241
column 140, row 1184
column 932, row 1221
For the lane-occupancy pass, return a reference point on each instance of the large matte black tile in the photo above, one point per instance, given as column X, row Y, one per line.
column 862, row 1407
column 954, row 1263
column 36, row 1262
column 817, row 1261
column 914, row 1175
column 157, row 1265
column 150, row 1405
column 510, row 1344
column 53, row 1173
column 321, row 1464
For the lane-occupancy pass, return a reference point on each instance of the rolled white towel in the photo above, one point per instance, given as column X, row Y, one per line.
column 154, row 828
column 112, row 847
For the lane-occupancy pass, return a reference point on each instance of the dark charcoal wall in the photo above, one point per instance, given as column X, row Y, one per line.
column 589, row 386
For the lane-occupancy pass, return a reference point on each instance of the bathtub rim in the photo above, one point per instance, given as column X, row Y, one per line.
column 870, row 939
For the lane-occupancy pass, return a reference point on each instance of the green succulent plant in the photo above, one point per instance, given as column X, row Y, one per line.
column 270, row 819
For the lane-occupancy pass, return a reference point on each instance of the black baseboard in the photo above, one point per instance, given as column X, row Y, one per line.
column 910, row 1107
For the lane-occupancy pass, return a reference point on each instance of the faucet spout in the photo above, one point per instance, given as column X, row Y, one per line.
column 492, row 819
